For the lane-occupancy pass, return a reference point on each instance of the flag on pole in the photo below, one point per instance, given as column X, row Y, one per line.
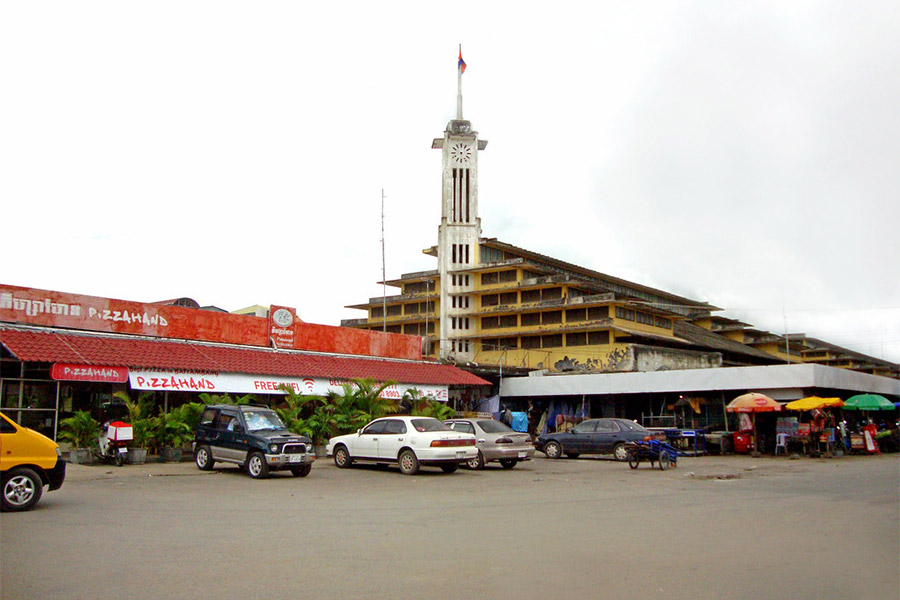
column 462, row 63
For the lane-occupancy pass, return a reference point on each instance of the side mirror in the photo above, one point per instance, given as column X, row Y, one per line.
column 359, row 431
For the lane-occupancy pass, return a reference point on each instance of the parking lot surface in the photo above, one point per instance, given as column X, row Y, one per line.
column 715, row 527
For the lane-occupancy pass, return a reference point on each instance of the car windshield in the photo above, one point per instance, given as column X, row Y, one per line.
column 493, row 427
column 261, row 420
column 429, row 425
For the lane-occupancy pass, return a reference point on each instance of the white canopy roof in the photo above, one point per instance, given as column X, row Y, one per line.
column 782, row 382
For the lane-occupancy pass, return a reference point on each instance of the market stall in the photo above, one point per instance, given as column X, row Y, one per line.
column 864, row 439
column 818, row 434
column 753, row 403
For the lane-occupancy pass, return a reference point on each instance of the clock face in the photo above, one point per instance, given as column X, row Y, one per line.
column 461, row 153
column 283, row 317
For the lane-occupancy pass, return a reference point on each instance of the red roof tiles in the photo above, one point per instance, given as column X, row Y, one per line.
column 107, row 350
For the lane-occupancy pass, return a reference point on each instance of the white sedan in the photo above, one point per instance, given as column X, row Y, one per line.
column 410, row 442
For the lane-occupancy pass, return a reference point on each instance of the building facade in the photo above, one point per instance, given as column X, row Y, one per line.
column 491, row 305
column 62, row 352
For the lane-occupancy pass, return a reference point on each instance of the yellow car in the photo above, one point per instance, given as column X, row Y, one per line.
column 28, row 462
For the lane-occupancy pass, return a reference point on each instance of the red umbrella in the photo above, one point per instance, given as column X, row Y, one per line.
column 753, row 403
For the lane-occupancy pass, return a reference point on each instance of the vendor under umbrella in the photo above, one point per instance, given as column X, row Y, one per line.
column 753, row 403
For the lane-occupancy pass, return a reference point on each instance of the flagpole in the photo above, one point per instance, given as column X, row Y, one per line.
column 459, row 88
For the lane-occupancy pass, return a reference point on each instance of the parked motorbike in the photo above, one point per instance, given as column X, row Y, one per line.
column 115, row 434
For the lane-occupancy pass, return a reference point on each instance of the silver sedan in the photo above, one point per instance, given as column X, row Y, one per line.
column 495, row 441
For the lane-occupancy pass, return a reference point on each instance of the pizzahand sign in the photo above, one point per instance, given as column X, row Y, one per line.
column 282, row 329
column 67, row 372
column 240, row 383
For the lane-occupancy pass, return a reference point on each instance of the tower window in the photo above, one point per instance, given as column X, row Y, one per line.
column 459, row 255
column 460, row 196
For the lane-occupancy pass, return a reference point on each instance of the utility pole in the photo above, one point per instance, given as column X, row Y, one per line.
column 383, row 272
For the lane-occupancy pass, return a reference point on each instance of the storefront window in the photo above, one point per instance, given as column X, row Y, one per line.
column 30, row 404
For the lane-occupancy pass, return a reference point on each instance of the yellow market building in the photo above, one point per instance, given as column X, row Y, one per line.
column 495, row 308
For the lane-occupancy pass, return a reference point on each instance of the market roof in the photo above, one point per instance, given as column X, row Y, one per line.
column 782, row 382
column 54, row 345
column 707, row 339
column 561, row 264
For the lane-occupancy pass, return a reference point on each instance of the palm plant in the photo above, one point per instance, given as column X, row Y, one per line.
column 226, row 399
column 363, row 395
column 169, row 430
column 358, row 402
column 80, row 429
column 426, row 406
column 138, row 416
column 435, row 409
column 190, row 413
column 299, row 413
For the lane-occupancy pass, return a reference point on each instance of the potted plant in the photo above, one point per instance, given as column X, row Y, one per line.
column 137, row 451
column 138, row 417
column 169, row 433
column 80, row 430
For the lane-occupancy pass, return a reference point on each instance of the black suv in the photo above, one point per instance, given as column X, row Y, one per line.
column 253, row 437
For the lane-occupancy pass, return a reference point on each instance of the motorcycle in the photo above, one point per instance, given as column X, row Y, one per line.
column 115, row 435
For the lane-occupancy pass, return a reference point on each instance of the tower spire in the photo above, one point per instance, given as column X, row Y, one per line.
column 461, row 68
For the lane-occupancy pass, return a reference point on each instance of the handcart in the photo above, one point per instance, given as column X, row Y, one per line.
column 653, row 451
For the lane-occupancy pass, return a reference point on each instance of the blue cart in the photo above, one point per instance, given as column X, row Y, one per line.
column 652, row 451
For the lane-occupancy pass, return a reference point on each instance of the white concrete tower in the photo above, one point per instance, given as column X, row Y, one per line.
column 459, row 231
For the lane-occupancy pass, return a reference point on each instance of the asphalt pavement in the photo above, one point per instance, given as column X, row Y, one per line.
column 715, row 527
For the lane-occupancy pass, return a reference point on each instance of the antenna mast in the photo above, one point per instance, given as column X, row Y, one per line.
column 383, row 271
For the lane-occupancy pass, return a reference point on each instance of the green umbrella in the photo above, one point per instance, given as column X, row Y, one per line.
column 868, row 402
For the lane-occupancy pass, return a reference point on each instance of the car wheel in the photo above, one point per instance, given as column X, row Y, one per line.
column 21, row 490
column 302, row 471
column 620, row 451
column 477, row 463
column 572, row 455
column 450, row 467
column 256, row 466
column 663, row 461
column 409, row 464
column 553, row 450
column 203, row 458
column 509, row 463
column 119, row 459
column 342, row 458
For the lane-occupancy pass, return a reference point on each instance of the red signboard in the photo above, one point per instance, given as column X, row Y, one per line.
column 283, row 328
column 65, row 372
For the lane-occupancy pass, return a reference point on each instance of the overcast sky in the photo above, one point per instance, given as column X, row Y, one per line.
column 742, row 154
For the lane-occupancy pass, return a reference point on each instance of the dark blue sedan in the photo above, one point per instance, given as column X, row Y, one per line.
column 594, row 436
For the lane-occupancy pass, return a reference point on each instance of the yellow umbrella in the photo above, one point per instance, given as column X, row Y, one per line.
column 813, row 403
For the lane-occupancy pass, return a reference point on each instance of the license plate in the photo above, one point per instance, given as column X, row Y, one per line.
column 523, row 454
column 295, row 458
column 460, row 454
column 123, row 450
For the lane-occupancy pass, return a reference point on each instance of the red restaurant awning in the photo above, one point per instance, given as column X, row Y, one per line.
column 153, row 353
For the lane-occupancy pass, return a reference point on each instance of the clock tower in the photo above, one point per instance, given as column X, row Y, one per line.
column 458, row 233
